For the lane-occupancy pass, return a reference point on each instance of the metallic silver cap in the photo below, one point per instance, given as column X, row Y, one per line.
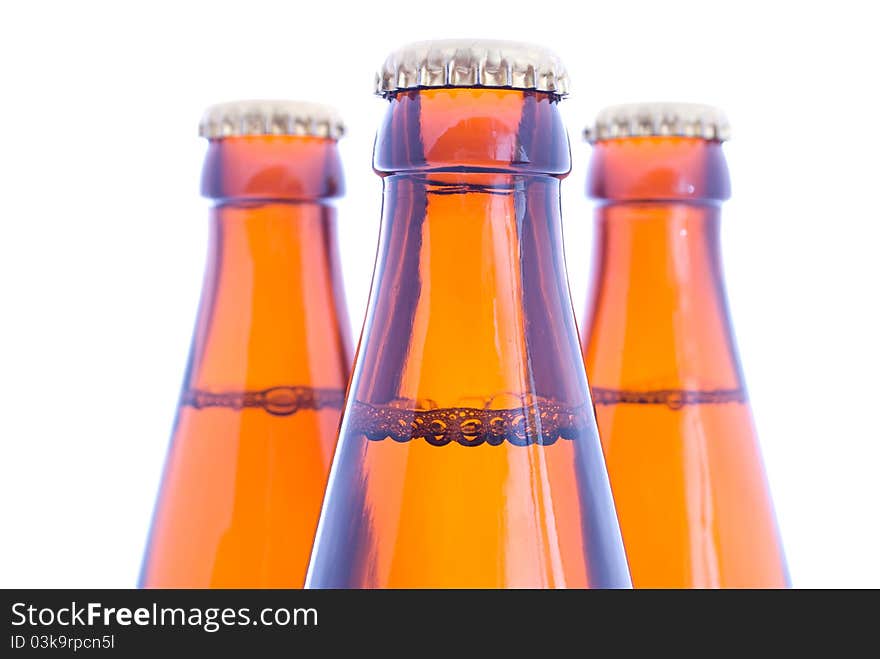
column 646, row 119
column 270, row 118
column 472, row 63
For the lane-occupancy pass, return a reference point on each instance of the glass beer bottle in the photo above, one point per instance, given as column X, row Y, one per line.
column 679, row 443
column 262, row 396
column 468, row 454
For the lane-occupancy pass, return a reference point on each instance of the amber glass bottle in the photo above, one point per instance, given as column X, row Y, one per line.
column 256, row 426
column 468, row 452
column 680, row 447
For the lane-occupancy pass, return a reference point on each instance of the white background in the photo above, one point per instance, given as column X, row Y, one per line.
column 103, row 231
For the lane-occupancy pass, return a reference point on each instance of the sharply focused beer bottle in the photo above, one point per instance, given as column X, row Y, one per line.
column 681, row 451
column 263, row 392
column 468, row 453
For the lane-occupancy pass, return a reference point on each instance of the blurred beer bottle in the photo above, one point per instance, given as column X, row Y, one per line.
column 468, row 453
column 256, row 425
column 676, row 428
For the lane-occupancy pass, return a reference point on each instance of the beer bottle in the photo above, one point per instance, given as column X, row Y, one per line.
column 679, row 443
column 263, row 391
column 468, row 453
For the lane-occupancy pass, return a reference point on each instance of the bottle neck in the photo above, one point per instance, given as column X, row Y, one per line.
column 470, row 304
column 658, row 317
column 272, row 312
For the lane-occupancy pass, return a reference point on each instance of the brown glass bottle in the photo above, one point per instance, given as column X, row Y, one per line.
column 678, row 437
column 468, row 452
column 256, row 426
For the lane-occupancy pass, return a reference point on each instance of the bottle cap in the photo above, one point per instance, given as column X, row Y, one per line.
column 658, row 119
column 472, row 63
column 262, row 117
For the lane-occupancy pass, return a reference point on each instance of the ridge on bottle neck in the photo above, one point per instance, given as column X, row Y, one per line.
column 467, row 131
column 281, row 168
column 655, row 168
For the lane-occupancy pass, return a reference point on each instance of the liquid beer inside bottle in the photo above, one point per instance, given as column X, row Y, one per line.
column 468, row 454
column 676, row 429
column 262, row 396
